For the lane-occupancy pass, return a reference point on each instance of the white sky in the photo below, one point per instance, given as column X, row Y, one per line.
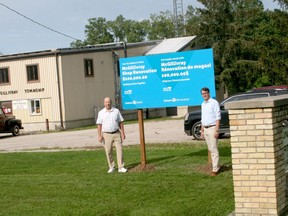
column 18, row 34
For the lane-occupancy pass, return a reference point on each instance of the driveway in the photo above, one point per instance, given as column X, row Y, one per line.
column 166, row 131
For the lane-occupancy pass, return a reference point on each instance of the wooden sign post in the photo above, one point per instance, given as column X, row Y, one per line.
column 142, row 138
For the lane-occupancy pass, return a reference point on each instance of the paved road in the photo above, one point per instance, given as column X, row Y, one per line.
column 167, row 131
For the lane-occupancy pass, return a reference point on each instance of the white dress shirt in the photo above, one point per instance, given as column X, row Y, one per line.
column 210, row 112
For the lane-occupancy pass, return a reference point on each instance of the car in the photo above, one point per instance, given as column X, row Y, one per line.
column 192, row 120
column 278, row 88
column 273, row 90
column 9, row 124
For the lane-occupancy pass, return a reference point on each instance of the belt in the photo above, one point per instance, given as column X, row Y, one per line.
column 112, row 132
column 208, row 126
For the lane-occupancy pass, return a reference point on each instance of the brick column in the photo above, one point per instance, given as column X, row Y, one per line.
column 258, row 155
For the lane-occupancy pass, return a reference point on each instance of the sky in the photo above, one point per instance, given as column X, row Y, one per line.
column 19, row 35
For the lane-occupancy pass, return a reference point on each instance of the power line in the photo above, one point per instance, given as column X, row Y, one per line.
column 38, row 22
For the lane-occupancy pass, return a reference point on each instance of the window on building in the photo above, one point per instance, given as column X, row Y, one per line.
column 35, row 107
column 88, row 65
column 4, row 76
column 32, row 73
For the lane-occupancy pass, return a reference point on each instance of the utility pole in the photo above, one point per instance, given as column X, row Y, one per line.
column 179, row 21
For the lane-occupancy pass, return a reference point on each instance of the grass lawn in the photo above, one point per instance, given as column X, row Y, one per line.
column 77, row 183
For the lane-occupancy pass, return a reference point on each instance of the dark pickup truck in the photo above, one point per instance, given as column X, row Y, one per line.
column 9, row 124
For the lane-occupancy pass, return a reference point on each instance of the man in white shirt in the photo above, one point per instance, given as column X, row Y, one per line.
column 210, row 119
column 111, row 130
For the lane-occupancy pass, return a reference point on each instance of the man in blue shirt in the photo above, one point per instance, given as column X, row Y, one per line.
column 210, row 119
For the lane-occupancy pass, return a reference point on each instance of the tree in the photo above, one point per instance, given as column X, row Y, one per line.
column 240, row 57
column 283, row 3
column 214, row 17
column 98, row 31
column 136, row 31
column 193, row 20
column 265, row 33
column 128, row 30
column 161, row 26
column 118, row 27
column 272, row 39
column 77, row 43
column 244, row 38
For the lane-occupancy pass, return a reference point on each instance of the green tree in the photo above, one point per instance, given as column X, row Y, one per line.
column 118, row 27
column 272, row 40
column 246, row 41
column 213, row 29
column 193, row 20
column 136, row 31
column 77, row 43
column 98, row 31
column 161, row 26
column 240, row 56
column 263, row 57
column 283, row 3
column 128, row 30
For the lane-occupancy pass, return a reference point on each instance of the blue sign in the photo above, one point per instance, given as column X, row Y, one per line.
column 166, row 80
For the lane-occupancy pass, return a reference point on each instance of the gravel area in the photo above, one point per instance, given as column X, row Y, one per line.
column 166, row 131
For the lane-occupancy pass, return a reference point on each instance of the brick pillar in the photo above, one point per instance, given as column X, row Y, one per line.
column 258, row 156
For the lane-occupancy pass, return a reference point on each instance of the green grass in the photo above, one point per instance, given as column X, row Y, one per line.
column 77, row 183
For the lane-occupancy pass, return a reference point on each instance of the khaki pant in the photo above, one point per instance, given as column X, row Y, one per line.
column 109, row 139
column 212, row 144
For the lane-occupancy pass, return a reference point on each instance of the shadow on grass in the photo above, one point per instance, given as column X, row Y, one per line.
column 140, row 167
column 224, row 151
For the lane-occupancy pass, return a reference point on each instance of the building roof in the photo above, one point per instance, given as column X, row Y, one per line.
column 161, row 46
column 86, row 49
column 171, row 45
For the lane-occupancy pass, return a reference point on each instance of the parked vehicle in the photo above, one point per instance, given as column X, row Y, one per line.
column 280, row 87
column 9, row 124
column 192, row 120
column 273, row 90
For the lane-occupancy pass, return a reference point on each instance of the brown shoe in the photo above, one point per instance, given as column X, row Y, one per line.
column 214, row 173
